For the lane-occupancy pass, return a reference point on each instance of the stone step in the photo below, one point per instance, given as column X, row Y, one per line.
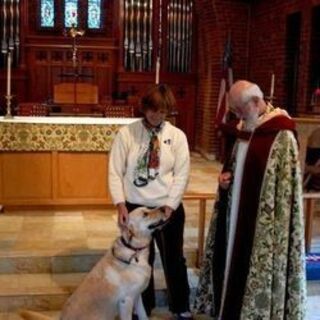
column 74, row 261
column 46, row 291
column 157, row 314
column 15, row 316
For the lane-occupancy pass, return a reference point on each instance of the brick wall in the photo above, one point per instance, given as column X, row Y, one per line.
column 259, row 48
column 216, row 20
column 267, row 47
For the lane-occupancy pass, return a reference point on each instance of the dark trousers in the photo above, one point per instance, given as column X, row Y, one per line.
column 170, row 243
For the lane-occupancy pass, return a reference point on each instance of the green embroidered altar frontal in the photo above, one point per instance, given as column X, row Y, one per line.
column 59, row 134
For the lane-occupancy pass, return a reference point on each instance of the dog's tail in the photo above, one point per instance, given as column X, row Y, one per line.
column 32, row 315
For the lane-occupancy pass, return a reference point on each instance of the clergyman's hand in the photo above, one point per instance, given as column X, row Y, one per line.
column 312, row 169
column 225, row 180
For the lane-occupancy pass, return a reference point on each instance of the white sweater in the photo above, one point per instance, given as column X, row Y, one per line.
column 169, row 185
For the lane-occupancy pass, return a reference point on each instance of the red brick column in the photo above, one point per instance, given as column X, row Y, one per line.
column 215, row 20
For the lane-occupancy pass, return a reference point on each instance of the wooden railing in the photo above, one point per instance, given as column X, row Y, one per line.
column 202, row 198
column 309, row 199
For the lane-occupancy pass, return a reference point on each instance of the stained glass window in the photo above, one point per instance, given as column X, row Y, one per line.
column 47, row 13
column 70, row 13
column 94, row 14
column 87, row 14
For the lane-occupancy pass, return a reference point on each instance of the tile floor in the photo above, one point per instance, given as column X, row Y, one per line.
column 74, row 232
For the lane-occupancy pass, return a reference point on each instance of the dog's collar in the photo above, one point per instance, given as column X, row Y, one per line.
column 134, row 256
column 128, row 245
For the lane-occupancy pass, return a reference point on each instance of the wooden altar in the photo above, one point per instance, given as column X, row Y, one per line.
column 54, row 161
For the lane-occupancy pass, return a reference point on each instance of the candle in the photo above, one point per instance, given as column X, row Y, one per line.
column 4, row 35
column 9, row 73
column 272, row 86
column 157, row 70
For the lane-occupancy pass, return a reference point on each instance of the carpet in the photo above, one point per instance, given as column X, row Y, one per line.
column 313, row 266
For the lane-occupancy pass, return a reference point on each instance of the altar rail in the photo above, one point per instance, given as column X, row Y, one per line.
column 305, row 127
column 202, row 198
column 309, row 200
column 309, row 203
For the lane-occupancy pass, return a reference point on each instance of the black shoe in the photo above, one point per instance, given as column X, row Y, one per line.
column 135, row 317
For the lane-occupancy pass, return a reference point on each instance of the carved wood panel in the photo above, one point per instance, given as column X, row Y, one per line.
column 50, row 66
column 184, row 90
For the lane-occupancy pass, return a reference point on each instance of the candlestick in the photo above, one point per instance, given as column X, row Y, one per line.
column 9, row 73
column 272, row 87
column 8, row 95
column 8, row 114
column 158, row 70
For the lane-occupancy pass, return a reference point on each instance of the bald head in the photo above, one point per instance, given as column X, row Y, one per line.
column 242, row 91
column 246, row 102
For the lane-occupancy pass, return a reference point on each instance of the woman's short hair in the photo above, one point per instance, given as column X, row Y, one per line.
column 158, row 97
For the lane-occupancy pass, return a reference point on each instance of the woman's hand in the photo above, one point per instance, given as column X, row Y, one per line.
column 225, row 180
column 167, row 211
column 123, row 215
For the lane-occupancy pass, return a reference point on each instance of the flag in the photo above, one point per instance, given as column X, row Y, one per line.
column 225, row 83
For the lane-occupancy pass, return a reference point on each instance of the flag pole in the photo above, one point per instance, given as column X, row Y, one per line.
column 222, row 107
column 225, row 83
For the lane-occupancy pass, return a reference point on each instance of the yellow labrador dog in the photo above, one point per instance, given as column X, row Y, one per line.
column 113, row 287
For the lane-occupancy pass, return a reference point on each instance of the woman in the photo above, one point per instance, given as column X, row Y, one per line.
column 149, row 166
